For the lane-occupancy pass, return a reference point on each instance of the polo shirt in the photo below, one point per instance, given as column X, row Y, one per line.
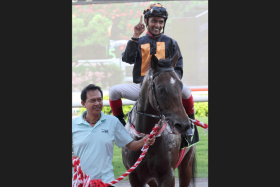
column 94, row 145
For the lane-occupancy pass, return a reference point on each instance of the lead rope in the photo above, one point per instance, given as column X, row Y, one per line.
column 182, row 151
column 201, row 124
column 144, row 151
column 80, row 179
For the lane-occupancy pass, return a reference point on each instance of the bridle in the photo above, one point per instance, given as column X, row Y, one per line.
column 154, row 95
column 161, row 116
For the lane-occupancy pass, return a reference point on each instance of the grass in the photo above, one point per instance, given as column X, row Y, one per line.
column 201, row 155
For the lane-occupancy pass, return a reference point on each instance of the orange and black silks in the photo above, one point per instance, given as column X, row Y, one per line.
column 139, row 53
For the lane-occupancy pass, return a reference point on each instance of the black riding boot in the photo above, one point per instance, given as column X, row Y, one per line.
column 121, row 118
column 189, row 133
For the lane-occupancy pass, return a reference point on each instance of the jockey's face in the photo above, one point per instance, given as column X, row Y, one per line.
column 94, row 103
column 155, row 24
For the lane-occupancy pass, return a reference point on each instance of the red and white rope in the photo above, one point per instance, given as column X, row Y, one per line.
column 140, row 135
column 144, row 151
column 199, row 123
column 182, row 152
column 81, row 179
column 195, row 121
column 181, row 156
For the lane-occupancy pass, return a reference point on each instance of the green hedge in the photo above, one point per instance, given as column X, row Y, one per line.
column 201, row 109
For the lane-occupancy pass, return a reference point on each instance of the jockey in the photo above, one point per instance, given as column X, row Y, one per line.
column 139, row 51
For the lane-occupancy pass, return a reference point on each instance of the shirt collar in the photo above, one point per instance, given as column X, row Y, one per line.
column 150, row 34
column 103, row 117
column 81, row 120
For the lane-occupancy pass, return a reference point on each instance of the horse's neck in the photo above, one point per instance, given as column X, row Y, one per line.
column 145, row 123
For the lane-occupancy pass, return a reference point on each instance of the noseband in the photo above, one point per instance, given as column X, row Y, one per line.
column 154, row 95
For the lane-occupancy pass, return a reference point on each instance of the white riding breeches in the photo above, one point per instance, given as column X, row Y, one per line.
column 131, row 92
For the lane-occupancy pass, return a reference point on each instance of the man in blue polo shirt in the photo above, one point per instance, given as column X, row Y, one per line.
column 94, row 133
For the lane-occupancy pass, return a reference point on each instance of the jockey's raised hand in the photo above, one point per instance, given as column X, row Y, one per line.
column 139, row 28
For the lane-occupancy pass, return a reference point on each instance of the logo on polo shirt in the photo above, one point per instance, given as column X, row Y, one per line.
column 103, row 130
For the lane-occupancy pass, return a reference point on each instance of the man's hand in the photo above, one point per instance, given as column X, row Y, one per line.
column 136, row 145
column 139, row 29
column 149, row 141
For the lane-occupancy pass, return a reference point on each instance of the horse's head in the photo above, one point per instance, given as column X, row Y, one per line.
column 165, row 92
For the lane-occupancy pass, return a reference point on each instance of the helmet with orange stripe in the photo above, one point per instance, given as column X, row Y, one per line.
column 155, row 10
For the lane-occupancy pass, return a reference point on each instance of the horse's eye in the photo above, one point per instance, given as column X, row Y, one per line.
column 161, row 90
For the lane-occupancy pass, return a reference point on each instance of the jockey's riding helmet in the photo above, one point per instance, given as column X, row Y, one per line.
column 156, row 10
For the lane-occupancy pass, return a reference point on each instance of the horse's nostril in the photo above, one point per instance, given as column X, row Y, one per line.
column 181, row 128
column 178, row 126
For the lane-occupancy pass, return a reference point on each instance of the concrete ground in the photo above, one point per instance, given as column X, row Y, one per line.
column 200, row 182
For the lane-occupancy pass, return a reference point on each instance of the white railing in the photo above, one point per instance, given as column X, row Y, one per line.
column 77, row 103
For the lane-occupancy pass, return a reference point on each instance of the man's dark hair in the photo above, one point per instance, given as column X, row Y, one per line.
column 89, row 88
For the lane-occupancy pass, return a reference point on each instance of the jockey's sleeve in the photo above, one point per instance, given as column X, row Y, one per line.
column 130, row 53
column 179, row 65
column 178, row 71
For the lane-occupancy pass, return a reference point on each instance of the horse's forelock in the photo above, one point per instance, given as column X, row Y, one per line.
column 165, row 63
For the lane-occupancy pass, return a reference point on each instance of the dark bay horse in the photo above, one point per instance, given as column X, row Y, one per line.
column 160, row 95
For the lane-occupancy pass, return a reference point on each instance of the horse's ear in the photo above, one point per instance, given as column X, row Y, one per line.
column 175, row 58
column 154, row 63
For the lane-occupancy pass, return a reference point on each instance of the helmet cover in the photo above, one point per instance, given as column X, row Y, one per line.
column 156, row 10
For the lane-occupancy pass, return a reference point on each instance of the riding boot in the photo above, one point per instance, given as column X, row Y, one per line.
column 190, row 131
column 188, row 104
column 121, row 118
column 117, row 110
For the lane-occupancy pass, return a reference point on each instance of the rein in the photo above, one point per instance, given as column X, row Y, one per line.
column 150, row 115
